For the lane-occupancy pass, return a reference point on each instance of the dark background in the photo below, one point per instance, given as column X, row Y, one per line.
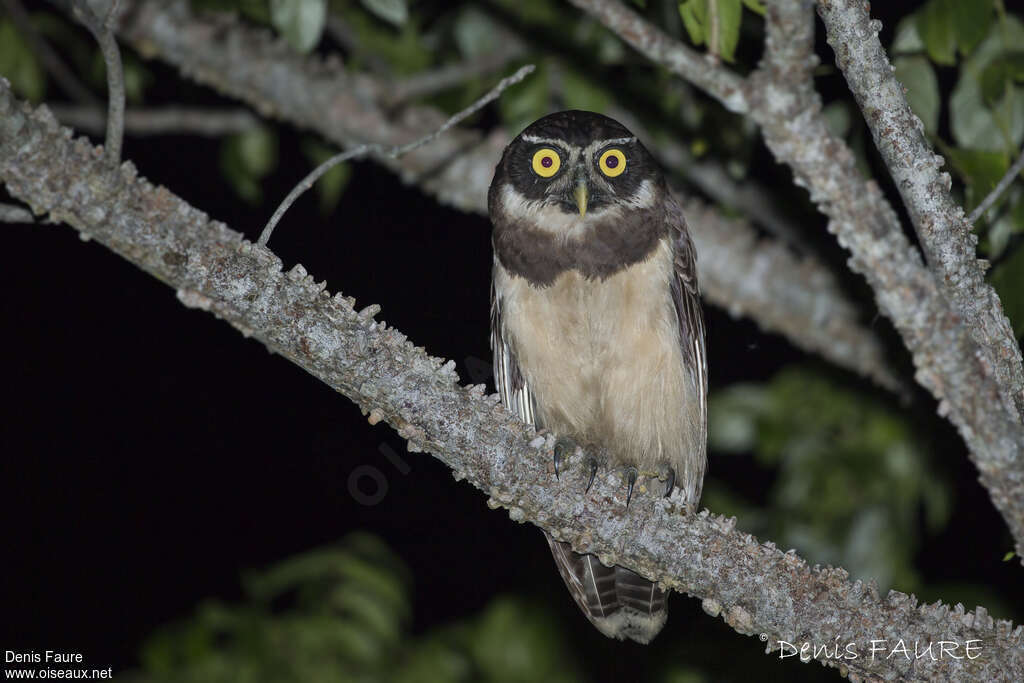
column 150, row 453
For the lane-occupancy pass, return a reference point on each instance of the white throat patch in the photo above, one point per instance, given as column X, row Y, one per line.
column 549, row 217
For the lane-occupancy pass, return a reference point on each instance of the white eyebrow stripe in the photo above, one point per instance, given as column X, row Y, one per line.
column 544, row 141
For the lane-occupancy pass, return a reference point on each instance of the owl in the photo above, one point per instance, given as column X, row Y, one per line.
column 597, row 329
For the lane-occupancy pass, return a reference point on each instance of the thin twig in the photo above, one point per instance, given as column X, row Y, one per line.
column 163, row 121
column 9, row 213
column 1000, row 187
column 449, row 76
column 49, row 58
column 390, row 152
column 101, row 31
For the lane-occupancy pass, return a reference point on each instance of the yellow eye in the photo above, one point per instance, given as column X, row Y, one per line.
column 546, row 162
column 612, row 163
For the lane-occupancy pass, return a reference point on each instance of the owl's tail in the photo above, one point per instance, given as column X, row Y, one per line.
column 620, row 603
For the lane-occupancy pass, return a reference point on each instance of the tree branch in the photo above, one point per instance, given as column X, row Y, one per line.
column 101, row 31
column 755, row 587
column 782, row 100
column 205, row 122
column 941, row 226
column 705, row 72
column 343, row 107
column 390, row 152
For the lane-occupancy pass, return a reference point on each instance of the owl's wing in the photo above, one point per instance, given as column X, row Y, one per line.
column 686, row 296
column 508, row 378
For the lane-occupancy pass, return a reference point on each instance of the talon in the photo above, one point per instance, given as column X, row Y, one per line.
column 593, row 465
column 563, row 449
column 669, row 475
column 630, row 480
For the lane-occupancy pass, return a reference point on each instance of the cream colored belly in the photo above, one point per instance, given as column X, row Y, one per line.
column 604, row 363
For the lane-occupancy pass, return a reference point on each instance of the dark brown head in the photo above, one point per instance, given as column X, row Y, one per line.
column 575, row 190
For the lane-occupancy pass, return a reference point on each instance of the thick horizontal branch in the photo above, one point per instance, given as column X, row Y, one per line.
column 942, row 228
column 344, row 107
column 755, row 587
column 783, row 102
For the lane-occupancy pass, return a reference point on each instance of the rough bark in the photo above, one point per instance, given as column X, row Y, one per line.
column 754, row 587
column 941, row 226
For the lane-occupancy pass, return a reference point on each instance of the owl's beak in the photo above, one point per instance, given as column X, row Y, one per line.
column 580, row 193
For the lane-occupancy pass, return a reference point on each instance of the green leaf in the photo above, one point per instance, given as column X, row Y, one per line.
column 1008, row 280
column 583, row 93
column 1009, row 556
column 19, row 65
column 838, row 118
column 1000, row 75
column 715, row 23
column 301, row 22
column 918, row 76
column 972, row 19
column 974, row 124
column 754, row 6
column 907, row 40
column 937, row 26
column 688, row 12
column 476, row 33
column 730, row 14
column 246, row 158
column 980, row 170
column 392, row 11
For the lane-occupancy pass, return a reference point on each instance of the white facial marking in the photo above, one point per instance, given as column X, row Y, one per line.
column 550, row 217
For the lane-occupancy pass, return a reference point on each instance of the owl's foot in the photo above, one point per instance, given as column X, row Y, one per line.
column 667, row 475
column 565, row 447
column 630, row 474
column 663, row 473
column 592, row 465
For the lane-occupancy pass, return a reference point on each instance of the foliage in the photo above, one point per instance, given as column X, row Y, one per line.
column 248, row 157
column 18, row 63
column 301, row 22
column 342, row 613
column 852, row 475
column 716, row 23
column 986, row 115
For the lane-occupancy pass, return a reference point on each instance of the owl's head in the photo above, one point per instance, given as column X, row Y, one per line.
column 575, row 163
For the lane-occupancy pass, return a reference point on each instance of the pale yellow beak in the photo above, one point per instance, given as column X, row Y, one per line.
column 580, row 193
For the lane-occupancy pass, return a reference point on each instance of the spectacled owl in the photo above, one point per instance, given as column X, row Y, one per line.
column 597, row 329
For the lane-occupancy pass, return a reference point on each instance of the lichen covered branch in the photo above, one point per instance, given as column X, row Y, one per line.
column 753, row 586
column 942, row 228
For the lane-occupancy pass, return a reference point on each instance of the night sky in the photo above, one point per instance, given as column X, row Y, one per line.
column 151, row 453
